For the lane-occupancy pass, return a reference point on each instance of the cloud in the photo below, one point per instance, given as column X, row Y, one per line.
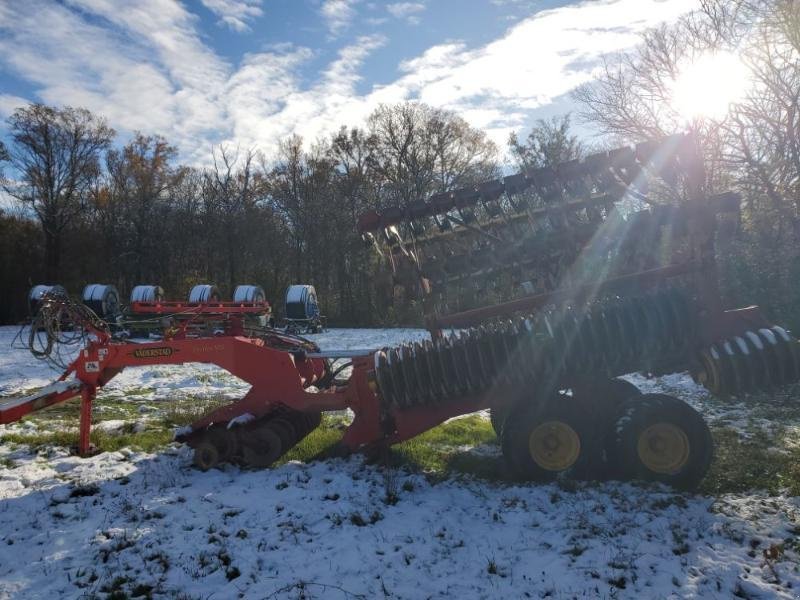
column 9, row 103
column 142, row 66
column 289, row 109
column 338, row 14
column 146, row 67
column 235, row 13
column 537, row 60
column 406, row 11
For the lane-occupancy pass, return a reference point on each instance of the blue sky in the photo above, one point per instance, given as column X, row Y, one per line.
column 251, row 72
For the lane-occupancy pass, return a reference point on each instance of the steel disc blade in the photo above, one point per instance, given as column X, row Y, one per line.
column 396, row 371
column 775, row 356
column 413, row 393
column 383, row 375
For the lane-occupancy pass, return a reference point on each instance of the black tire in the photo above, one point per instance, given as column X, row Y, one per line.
column 601, row 399
column 660, row 438
column 563, row 445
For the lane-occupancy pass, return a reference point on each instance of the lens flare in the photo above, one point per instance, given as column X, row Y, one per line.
column 706, row 88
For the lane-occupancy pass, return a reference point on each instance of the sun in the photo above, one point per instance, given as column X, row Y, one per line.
column 706, row 88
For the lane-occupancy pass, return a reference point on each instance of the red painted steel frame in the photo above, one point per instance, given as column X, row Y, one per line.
column 278, row 378
column 172, row 308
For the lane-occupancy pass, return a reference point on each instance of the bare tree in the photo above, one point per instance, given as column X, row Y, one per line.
column 754, row 147
column 141, row 177
column 419, row 150
column 548, row 143
column 55, row 155
column 231, row 190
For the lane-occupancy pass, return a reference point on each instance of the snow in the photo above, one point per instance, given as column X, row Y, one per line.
column 136, row 522
column 71, row 526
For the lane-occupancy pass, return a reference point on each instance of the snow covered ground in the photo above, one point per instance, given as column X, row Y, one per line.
column 149, row 524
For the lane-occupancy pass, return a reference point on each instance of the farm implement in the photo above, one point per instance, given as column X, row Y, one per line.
column 539, row 289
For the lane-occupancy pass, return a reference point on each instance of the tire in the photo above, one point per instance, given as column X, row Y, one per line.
column 544, row 440
column 660, row 438
column 604, row 396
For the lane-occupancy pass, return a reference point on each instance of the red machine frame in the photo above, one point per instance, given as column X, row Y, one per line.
column 279, row 378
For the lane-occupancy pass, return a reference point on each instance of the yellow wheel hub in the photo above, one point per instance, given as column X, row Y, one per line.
column 554, row 445
column 663, row 448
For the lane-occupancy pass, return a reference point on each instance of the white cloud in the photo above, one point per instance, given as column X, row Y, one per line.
column 9, row 103
column 146, row 67
column 235, row 13
column 406, row 10
column 338, row 14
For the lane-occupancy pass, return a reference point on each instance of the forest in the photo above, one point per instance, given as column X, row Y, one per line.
column 89, row 205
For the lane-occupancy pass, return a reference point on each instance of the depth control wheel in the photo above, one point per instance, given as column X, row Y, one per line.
column 549, row 438
column 660, row 438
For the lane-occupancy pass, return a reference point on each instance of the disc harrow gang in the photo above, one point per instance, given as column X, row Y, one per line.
column 755, row 360
column 256, row 443
column 652, row 334
column 647, row 333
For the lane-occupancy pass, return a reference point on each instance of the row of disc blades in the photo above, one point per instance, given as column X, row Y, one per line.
column 612, row 337
column 756, row 360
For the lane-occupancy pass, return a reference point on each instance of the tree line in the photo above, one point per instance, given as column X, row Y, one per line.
column 97, row 209
column 131, row 214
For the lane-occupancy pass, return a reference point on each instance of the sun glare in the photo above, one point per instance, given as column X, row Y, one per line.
column 707, row 87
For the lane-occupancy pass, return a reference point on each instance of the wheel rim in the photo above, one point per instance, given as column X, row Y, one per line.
column 663, row 448
column 554, row 445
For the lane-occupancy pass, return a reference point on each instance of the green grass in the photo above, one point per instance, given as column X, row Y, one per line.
column 764, row 460
column 58, row 425
column 441, row 449
column 752, row 464
column 147, row 441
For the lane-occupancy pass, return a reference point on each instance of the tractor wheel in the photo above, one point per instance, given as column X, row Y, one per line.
column 601, row 399
column 261, row 446
column 543, row 440
column 660, row 438
column 206, row 455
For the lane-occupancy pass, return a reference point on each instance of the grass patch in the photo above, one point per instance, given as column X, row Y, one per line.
column 763, row 460
column 747, row 464
column 317, row 444
column 445, row 449
column 184, row 412
column 147, row 441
